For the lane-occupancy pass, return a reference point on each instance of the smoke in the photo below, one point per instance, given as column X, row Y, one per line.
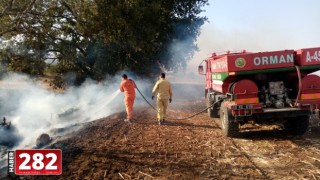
column 187, row 84
column 9, row 137
column 32, row 109
column 250, row 25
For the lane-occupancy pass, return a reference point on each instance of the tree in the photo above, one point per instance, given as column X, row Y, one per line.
column 18, row 58
column 97, row 37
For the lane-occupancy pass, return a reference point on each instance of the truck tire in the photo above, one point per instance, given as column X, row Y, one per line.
column 230, row 128
column 213, row 112
column 297, row 125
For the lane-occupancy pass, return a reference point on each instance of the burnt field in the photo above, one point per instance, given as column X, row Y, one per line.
column 110, row 148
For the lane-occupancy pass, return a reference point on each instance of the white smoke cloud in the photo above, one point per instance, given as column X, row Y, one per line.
column 33, row 109
column 250, row 25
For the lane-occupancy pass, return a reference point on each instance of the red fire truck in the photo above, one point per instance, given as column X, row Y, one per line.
column 277, row 86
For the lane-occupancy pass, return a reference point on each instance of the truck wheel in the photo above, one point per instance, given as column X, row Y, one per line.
column 297, row 125
column 213, row 111
column 229, row 126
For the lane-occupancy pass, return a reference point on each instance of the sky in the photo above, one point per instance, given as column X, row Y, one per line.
column 257, row 25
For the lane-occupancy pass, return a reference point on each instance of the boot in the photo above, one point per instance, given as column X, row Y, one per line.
column 126, row 120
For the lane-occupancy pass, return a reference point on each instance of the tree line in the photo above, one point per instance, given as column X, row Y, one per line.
column 92, row 38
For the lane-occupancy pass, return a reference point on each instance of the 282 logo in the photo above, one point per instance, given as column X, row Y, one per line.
column 38, row 162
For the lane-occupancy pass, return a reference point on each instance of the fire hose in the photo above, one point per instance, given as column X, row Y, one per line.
column 170, row 118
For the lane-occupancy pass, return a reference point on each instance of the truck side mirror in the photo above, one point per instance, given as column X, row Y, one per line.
column 200, row 69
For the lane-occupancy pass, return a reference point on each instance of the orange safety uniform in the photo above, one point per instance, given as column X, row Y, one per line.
column 128, row 87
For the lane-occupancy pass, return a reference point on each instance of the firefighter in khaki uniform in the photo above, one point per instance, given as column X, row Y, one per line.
column 163, row 87
column 128, row 87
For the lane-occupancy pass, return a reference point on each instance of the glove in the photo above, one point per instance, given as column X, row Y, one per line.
column 152, row 97
column 170, row 100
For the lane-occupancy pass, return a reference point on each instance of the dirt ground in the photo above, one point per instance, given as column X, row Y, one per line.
column 110, row 148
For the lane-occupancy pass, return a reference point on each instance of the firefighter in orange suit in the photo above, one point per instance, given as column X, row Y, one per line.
column 128, row 87
column 163, row 87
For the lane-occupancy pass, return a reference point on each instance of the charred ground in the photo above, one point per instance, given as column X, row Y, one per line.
column 110, row 148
